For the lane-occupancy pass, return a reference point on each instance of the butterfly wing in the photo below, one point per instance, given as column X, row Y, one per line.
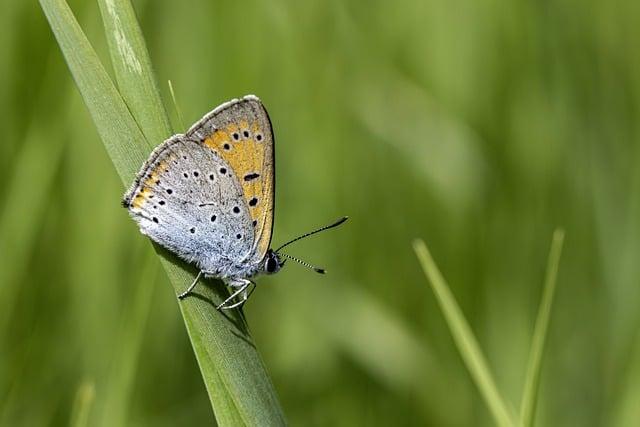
column 186, row 199
column 240, row 132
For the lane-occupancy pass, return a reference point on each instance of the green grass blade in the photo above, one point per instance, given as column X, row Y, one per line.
column 239, row 389
column 464, row 339
column 134, row 73
column 82, row 404
column 118, row 130
column 120, row 383
column 25, row 206
column 532, row 379
column 176, row 107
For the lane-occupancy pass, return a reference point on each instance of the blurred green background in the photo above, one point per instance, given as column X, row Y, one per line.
column 478, row 126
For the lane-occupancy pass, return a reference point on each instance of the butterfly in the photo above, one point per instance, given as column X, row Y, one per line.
column 208, row 196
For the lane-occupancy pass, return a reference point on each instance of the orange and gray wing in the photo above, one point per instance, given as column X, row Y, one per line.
column 240, row 132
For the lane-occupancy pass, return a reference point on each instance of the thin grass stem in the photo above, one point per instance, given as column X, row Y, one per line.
column 464, row 339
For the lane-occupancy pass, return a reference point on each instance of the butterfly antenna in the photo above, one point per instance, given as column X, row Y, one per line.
column 306, row 264
column 326, row 227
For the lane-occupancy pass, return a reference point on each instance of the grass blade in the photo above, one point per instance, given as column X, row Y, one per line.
column 464, row 339
column 120, row 382
column 118, row 130
column 25, row 206
column 175, row 106
column 134, row 73
column 239, row 389
column 82, row 404
column 532, row 379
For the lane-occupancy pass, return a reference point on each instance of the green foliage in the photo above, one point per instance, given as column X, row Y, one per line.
column 477, row 126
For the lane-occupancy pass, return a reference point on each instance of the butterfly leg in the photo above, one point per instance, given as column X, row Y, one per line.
column 243, row 284
column 191, row 286
column 245, row 295
column 251, row 291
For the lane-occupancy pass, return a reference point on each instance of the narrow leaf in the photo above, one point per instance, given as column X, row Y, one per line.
column 118, row 392
column 117, row 128
column 82, row 404
column 532, row 379
column 133, row 69
column 25, row 205
column 464, row 339
column 176, row 107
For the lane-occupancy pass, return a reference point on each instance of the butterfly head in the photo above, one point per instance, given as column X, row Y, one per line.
column 272, row 262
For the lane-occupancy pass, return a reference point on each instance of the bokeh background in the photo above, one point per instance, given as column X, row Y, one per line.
column 478, row 126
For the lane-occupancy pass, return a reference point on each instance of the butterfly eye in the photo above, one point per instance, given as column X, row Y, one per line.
column 271, row 265
column 259, row 137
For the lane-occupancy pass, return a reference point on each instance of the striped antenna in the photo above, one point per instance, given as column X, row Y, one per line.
column 326, row 227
